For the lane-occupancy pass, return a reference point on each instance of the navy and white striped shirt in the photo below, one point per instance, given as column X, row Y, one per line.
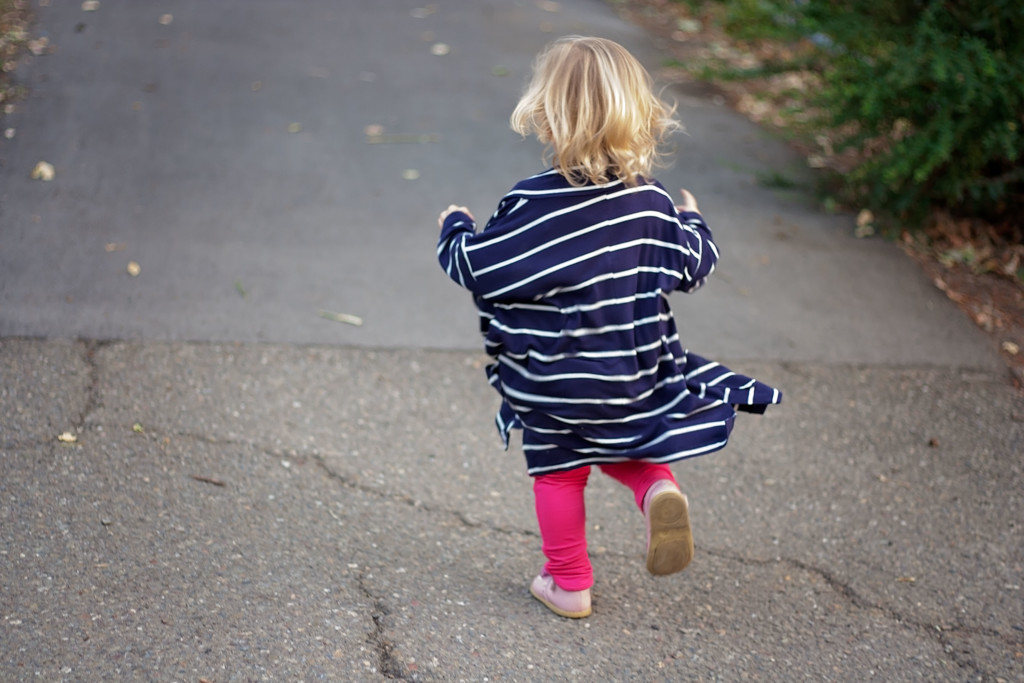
column 572, row 287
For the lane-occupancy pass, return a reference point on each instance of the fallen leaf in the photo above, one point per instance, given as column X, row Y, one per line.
column 689, row 26
column 865, row 223
column 399, row 139
column 90, row 5
column 295, row 127
column 134, row 269
column 906, row 579
column 207, row 480
column 257, row 86
column 166, row 19
column 440, row 49
column 240, row 289
column 410, row 174
column 8, row 133
column 67, row 437
column 137, row 428
column 38, row 46
column 43, row 171
column 114, row 246
column 500, row 71
column 373, row 130
column 346, row 318
column 1011, row 348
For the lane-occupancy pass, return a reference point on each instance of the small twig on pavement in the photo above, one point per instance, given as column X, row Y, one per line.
column 207, row 480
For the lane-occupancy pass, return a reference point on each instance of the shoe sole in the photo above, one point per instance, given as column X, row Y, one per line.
column 670, row 547
column 559, row 611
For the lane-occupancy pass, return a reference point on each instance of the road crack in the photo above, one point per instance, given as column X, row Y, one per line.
column 942, row 635
column 388, row 663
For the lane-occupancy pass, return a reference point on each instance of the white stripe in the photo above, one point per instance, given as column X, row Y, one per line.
column 720, row 378
column 455, row 260
column 623, row 401
column 584, row 375
column 582, row 331
column 614, row 353
column 579, row 308
column 667, row 435
column 601, row 460
column 608, row 276
column 695, row 411
column 522, row 201
column 701, row 369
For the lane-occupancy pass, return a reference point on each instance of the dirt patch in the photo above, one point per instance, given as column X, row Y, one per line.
column 14, row 42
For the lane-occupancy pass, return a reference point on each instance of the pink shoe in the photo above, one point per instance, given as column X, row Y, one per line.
column 571, row 604
column 669, row 539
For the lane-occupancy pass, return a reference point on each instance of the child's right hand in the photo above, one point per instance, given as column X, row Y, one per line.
column 689, row 203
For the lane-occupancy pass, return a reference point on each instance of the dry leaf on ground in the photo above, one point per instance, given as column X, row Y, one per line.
column 346, row 318
column 43, row 171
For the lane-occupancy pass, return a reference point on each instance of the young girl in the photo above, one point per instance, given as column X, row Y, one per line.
column 571, row 276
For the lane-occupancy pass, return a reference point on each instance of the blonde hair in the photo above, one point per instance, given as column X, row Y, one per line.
column 592, row 103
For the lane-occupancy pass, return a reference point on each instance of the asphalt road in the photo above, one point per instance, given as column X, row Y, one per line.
column 171, row 142
column 252, row 491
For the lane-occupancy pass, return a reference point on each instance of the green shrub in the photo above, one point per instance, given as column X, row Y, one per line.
column 930, row 93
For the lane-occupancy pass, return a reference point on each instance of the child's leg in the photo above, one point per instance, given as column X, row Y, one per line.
column 639, row 476
column 562, row 517
column 669, row 539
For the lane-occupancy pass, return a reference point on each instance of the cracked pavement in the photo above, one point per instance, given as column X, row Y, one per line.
column 254, row 492
column 257, row 512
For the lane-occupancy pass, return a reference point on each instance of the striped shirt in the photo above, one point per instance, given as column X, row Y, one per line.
column 572, row 287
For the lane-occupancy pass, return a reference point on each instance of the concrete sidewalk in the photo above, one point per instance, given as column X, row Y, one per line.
column 251, row 491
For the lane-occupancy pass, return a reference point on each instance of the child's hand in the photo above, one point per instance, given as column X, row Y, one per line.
column 452, row 208
column 689, row 203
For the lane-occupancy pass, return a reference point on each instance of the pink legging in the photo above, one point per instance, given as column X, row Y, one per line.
column 562, row 516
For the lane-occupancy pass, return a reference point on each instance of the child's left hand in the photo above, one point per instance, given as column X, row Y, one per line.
column 452, row 208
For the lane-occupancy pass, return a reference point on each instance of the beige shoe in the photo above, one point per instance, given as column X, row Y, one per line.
column 571, row 604
column 669, row 539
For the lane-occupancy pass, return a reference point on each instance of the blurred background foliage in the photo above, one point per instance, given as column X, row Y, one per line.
column 918, row 105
